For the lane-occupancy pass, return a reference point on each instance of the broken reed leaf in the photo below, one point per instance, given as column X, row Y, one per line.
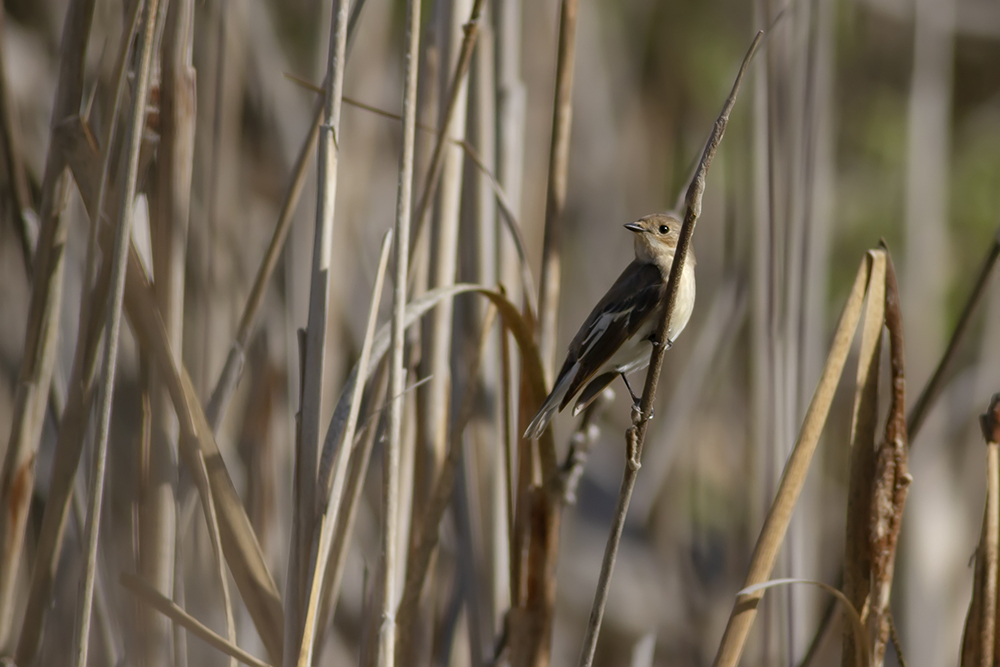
column 891, row 479
column 857, row 546
column 793, row 477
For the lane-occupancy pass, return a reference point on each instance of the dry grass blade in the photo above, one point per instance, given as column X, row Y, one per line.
column 857, row 626
column 892, row 481
column 430, row 520
column 332, row 496
column 38, row 361
column 360, row 460
column 171, row 610
column 857, row 547
column 793, row 477
column 635, row 436
column 106, row 379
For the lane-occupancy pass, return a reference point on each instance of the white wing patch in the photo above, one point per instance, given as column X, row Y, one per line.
column 602, row 324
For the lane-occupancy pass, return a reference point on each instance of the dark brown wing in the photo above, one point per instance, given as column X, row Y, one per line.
column 616, row 318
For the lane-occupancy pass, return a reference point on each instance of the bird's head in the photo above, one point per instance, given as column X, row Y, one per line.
column 656, row 238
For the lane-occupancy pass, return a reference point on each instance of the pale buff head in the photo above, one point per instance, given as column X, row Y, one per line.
column 656, row 238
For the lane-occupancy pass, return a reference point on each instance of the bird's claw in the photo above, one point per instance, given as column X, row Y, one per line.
column 637, row 416
column 667, row 344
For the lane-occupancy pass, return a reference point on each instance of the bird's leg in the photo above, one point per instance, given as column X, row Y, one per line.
column 635, row 399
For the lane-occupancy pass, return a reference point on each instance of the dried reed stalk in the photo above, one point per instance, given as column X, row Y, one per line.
column 386, row 650
column 169, row 209
column 555, row 199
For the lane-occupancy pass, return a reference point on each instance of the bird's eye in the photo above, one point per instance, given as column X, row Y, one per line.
column 664, row 229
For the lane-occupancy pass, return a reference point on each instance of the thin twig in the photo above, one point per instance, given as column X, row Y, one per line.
column 636, row 434
column 933, row 387
column 106, row 381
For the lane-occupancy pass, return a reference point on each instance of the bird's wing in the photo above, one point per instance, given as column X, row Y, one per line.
column 616, row 318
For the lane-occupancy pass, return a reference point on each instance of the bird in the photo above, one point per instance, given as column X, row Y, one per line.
column 617, row 337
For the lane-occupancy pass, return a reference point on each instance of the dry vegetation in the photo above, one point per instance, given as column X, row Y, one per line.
column 244, row 428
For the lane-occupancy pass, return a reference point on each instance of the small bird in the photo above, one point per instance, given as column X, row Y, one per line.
column 617, row 336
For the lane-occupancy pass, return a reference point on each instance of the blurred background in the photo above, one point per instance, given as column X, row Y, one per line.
column 859, row 120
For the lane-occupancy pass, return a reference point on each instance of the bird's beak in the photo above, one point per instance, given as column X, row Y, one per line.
column 635, row 227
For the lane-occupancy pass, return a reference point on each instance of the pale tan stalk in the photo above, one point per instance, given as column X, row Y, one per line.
column 169, row 213
column 387, row 573
column 555, row 200
column 311, row 401
column 510, row 121
column 434, row 419
column 17, row 479
column 106, row 381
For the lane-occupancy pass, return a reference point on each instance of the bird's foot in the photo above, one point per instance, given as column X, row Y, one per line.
column 669, row 343
column 637, row 415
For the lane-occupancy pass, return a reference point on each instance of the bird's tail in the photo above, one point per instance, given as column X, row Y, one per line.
column 550, row 406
